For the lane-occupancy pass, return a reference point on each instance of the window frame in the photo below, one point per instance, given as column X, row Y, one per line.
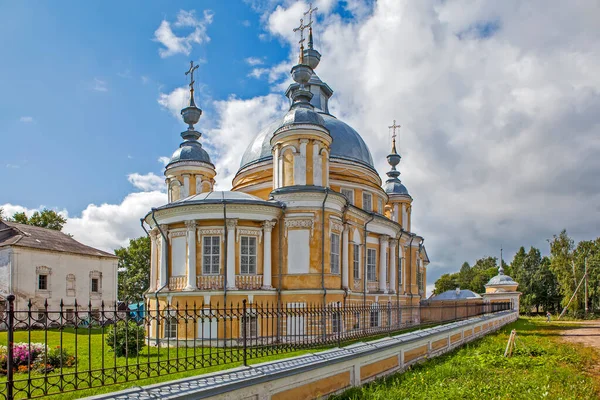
column 367, row 195
column 349, row 192
column 45, row 280
column 213, row 268
column 356, row 261
column 372, row 265
column 249, row 256
column 170, row 323
column 334, row 256
column 336, row 322
column 374, row 312
column 97, row 281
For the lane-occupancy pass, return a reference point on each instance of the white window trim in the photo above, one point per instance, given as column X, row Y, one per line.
column 334, row 261
column 374, row 265
column 356, row 261
column 255, row 255
column 43, row 270
column 370, row 195
column 211, row 273
column 351, row 197
column 96, row 275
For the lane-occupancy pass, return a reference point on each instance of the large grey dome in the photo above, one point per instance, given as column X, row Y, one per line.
column 190, row 151
column 347, row 143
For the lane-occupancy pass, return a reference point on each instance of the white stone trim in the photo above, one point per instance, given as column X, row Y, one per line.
column 298, row 223
column 248, row 231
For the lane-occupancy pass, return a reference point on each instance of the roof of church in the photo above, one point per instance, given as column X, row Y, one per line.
column 218, row 197
column 347, row 144
column 501, row 279
column 35, row 237
column 456, row 295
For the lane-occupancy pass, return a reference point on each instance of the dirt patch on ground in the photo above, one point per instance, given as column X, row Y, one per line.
column 588, row 334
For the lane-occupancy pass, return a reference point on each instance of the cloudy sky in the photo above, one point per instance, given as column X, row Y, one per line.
column 499, row 105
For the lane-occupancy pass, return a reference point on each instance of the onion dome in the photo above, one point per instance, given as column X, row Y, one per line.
column 393, row 186
column 501, row 279
column 190, row 149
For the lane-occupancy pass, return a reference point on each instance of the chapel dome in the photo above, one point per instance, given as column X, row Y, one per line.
column 347, row 143
column 395, row 187
column 501, row 279
column 190, row 151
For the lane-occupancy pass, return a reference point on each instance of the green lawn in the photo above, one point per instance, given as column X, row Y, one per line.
column 120, row 373
column 542, row 367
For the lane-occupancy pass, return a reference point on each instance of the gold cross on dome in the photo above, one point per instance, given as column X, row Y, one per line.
column 191, row 73
column 393, row 127
column 309, row 13
column 301, row 28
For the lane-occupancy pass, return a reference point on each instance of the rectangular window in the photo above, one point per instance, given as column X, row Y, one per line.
column 41, row 317
column 95, row 314
column 95, row 285
column 248, row 255
column 70, row 315
column 211, row 255
column 171, row 327
column 380, row 206
column 336, row 323
column 251, row 326
column 399, row 271
column 372, row 265
column 367, row 202
column 374, row 320
column 335, row 253
column 356, row 261
column 356, row 323
column 42, row 282
column 349, row 193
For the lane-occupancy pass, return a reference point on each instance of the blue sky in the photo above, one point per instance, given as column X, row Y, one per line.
column 88, row 75
column 499, row 104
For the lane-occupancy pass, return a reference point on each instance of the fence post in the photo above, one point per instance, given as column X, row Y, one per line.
column 244, row 333
column 10, row 327
column 339, row 325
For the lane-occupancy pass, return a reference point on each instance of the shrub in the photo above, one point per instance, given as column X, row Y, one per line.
column 60, row 356
column 125, row 339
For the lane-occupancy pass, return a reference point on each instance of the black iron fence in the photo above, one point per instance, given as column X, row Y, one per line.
column 53, row 351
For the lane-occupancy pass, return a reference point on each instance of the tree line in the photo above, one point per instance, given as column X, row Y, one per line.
column 546, row 282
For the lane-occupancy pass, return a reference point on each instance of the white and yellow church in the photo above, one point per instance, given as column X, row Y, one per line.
column 308, row 220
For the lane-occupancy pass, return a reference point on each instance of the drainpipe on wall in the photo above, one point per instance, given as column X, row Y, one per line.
column 398, row 278
column 410, row 273
column 323, row 321
column 365, row 266
column 280, row 262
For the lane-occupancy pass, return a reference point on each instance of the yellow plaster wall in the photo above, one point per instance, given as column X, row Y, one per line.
column 316, row 389
column 376, row 368
column 415, row 353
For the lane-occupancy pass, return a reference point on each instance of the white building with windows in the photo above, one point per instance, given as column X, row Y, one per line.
column 47, row 265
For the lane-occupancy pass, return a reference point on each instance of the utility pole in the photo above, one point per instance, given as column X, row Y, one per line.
column 586, row 287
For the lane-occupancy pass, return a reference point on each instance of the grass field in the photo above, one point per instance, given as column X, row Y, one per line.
column 542, row 367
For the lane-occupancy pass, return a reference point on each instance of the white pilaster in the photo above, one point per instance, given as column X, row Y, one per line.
column 198, row 184
column 268, row 228
column 404, row 217
column 276, row 168
column 393, row 266
column 383, row 245
column 191, row 255
column 396, row 213
column 345, row 257
column 317, row 165
column 164, row 260
column 153, row 260
column 231, row 224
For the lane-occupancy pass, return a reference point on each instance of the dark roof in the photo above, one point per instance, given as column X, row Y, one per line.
column 21, row 235
column 459, row 294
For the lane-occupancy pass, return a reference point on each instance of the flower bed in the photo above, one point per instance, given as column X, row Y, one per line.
column 35, row 357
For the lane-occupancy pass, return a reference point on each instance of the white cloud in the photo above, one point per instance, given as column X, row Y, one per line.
column 246, row 23
column 148, row 182
column 252, row 61
column 183, row 44
column 26, row 120
column 500, row 116
column 259, row 72
column 13, row 166
column 110, row 226
column 99, row 85
column 175, row 101
column 164, row 160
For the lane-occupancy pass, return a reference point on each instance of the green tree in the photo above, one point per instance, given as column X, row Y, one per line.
column 465, row 276
column 483, row 270
column 445, row 282
column 548, row 295
column 1, row 213
column 134, row 268
column 45, row 219
column 563, row 267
